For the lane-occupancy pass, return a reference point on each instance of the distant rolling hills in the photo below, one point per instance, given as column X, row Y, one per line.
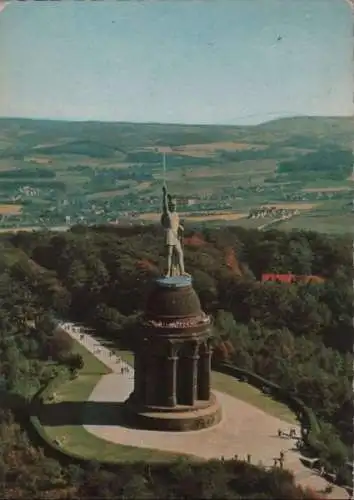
column 24, row 137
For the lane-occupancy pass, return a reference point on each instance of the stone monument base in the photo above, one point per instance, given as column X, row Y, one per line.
column 180, row 418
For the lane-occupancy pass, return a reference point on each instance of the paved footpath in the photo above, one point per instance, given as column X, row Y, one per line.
column 244, row 429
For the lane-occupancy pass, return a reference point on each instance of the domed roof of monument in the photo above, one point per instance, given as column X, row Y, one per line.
column 173, row 302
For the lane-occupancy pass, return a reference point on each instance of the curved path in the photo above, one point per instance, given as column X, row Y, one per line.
column 244, row 429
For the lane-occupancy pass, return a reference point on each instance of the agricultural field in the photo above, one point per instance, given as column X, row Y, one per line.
column 332, row 189
column 206, row 150
column 10, row 209
column 56, row 173
column 221, row 216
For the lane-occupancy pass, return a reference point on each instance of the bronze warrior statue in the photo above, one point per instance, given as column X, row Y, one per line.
column 173, row 235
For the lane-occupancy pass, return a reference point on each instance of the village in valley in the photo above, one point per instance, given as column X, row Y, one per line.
column 67, row 182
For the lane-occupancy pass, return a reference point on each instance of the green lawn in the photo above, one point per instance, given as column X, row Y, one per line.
column 76, row 439
column 249, row 394
column 92, row 365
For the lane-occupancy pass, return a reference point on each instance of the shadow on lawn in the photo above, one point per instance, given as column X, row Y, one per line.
column 84, row 413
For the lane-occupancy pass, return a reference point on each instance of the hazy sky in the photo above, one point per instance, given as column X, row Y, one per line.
column 176, row 61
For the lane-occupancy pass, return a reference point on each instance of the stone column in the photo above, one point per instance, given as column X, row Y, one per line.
column 139, row 379
column 171, row 377
column 150, row 380
column 140, row 373
column 192, row 380
column 182, row 372
column 204, row 373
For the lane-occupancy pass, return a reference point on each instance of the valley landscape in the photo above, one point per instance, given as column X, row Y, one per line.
column 55, row 173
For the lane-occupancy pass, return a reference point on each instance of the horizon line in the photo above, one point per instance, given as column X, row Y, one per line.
column 189, row 124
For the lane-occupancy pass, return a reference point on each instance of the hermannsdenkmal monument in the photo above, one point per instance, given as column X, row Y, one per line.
column 172, row 346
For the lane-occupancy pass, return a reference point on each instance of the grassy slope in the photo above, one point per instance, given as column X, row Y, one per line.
column 253, row 396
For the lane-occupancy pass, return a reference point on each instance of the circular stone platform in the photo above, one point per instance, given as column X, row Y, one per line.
column 202, row 415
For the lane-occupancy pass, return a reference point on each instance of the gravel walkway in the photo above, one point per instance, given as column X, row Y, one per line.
column 244, row 429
